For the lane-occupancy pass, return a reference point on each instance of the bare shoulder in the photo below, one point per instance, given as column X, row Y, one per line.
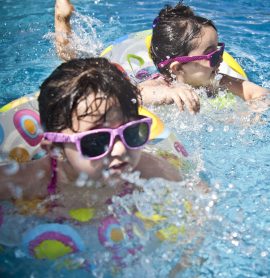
column 152, row 166
column 26, row 179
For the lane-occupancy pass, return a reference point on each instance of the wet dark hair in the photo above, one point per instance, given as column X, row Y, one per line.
column 73, row 82
column 175, row 28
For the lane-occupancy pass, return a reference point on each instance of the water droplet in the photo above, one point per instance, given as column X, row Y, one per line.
column 90, row 183
column 94, row 197
column 19, row 253
column 56, row 150
column 15, row 191
column 40, row 174
column 106, row 124
column 214, row 196
column 218, row 77
column 105, row 174
column 264, row 253
column 12, row 168
column 221, row 94
column 82, row 179
column 235, row 242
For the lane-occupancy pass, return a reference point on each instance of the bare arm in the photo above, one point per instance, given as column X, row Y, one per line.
column 63, row 12
column 157, row 92
column 242, row 88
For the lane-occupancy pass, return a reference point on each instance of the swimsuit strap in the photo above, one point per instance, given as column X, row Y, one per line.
column 52, row 186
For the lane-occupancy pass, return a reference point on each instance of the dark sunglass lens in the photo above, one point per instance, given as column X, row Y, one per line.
column 214, row 59
column 93, row 145
column 222, row 51
column 136, row 135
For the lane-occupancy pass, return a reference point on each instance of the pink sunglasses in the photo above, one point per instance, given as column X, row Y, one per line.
column 97, row 143
column 212, row 57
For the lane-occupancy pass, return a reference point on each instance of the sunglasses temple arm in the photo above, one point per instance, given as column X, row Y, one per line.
column 58, row 137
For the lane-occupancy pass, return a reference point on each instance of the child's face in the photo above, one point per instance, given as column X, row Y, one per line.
column 119, row 159
column 199, row 73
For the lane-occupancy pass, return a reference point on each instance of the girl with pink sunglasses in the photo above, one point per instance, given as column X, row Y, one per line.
column 93, row 137
column 187, row 53
column 89, row 113
column 185, row 50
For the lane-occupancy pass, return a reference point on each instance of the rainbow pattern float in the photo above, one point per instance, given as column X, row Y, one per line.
column 20, row 135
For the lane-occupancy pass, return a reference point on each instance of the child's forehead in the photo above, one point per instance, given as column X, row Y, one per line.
column 96, row 110
column 96, row 105
column 208, row 37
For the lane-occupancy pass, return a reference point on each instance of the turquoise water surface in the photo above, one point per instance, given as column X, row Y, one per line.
column 232, row 144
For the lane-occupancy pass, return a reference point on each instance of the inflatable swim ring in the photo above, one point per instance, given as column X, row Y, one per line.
column 132, row 53
column 21, row 133
column 20, row 136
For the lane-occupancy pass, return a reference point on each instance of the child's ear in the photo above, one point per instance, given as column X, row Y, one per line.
column 176, row 68
column 52, row 150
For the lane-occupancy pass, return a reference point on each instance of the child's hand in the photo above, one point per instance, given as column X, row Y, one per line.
column 157, row 92
column 183, row 94
column 259, row 104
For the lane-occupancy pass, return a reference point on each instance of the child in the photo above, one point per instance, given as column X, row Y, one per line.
column 179, row 40
column 92, row 134
column 80, row 97
column 177, row 33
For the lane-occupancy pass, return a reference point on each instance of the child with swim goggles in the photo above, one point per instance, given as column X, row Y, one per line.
column 185, row 50
column 92, row 134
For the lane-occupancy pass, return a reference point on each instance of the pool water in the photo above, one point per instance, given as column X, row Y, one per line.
column 232, row 144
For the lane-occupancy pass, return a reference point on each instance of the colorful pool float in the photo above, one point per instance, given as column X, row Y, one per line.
column 132, row 53
column 20, row 136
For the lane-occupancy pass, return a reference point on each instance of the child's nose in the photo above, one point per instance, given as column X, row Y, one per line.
column 118, row 148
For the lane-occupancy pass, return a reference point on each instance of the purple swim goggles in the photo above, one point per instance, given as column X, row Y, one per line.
column 212, row 57
column 97, row 143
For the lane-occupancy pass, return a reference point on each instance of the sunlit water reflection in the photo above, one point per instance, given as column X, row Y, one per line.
column 229, row 230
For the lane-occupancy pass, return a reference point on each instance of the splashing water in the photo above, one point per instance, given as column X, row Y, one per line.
column 229, row 234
